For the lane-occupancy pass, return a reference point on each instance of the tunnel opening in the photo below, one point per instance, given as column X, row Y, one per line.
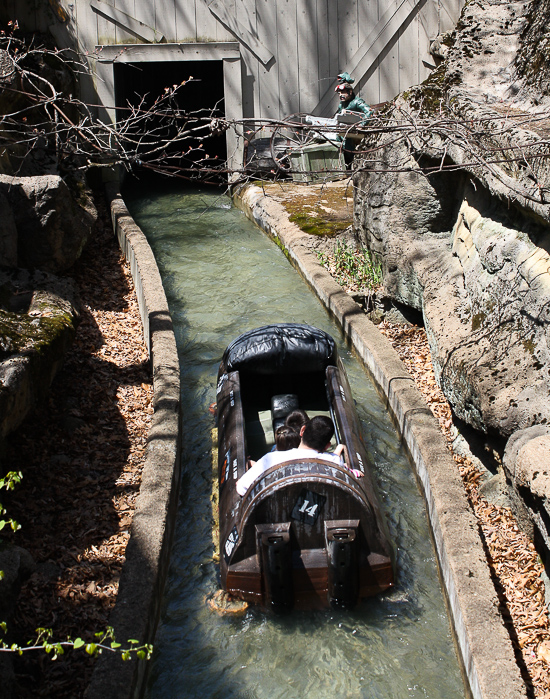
column 176, row 103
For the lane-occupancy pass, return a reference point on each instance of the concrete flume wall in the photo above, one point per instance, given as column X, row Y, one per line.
column 485, row 647
column 137, row 608
column 484, row 644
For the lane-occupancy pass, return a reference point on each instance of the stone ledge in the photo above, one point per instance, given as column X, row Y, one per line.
column 526, row 465
column 137, row 608
column 485, row 647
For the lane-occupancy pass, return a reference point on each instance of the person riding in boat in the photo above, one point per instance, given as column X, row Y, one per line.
column 315, row 437
column 297, row 419
column 294, row 421
column 286, row 438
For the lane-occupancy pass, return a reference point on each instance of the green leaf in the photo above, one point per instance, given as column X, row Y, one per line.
column 141, row 654
column 91, row 648
column 114, row 644
column 126, row 655
column 78, row 643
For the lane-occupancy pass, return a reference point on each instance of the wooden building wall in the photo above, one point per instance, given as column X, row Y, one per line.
column 291, row 50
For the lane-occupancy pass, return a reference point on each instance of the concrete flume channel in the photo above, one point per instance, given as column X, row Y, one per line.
column 483, row 642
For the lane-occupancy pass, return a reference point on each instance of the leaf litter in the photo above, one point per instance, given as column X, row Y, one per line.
column 81, row 453
column 515, row 566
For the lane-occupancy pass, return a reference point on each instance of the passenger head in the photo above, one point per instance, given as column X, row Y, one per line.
column 296, row 419
column 318, row 432
column 286, row 438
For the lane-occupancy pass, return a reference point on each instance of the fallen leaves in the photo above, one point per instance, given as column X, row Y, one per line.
column 514, row 562
column 81, row 454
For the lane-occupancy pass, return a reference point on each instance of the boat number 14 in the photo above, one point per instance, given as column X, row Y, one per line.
column 308, row 506
column 309, row 509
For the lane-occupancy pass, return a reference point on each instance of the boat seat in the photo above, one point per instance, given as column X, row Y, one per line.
column 259, row 435
column 281, row 406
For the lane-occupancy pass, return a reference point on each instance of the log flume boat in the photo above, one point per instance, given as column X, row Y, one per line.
column 307, row 533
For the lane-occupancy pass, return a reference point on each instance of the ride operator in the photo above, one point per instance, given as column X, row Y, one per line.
column 349, row 102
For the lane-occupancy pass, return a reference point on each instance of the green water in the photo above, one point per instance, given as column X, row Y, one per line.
column 223, row 276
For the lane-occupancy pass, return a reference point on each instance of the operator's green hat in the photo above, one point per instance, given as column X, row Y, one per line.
column 346, row 78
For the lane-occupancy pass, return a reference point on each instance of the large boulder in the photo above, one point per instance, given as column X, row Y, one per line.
column 52, row 222
column 38, row 317
column 527, row 468
column 465, row 241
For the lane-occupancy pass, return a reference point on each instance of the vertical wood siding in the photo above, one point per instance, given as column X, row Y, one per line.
column 311, row 42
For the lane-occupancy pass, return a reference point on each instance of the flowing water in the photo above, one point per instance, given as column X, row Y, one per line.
column 223, row 276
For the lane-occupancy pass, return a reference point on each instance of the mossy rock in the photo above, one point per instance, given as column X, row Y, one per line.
column 37, row 326
column 319, row 211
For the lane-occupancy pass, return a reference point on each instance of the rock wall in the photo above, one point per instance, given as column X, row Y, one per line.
column 44, row 224
column 459, row 213
column 469, row 246
column 38, row 318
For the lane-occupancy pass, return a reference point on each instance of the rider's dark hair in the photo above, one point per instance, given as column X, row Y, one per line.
column 297, row 419
column 318, row 432
column 286, row 438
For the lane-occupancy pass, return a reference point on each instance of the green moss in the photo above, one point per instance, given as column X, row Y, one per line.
column 22, row 333
column 529, row 346
column 315, row 225
column 324, row 212
column 428, row 98
column 281, row 247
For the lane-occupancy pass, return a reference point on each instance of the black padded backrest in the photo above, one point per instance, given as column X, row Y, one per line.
column 281, row 348
column 281, row 406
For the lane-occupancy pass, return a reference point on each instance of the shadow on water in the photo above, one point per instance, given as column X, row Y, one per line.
column 222, row 277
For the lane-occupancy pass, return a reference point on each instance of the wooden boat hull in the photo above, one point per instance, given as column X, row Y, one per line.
column 307, row 533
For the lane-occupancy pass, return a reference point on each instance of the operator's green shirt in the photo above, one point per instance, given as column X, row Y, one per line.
column 356, row 104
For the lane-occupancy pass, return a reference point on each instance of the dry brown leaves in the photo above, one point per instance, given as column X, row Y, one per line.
column 81, row 456
column 514, row 563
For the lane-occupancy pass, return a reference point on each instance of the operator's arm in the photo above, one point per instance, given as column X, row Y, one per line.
column 358, row 104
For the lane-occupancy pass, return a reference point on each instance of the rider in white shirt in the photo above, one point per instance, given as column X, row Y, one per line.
column 315, row 440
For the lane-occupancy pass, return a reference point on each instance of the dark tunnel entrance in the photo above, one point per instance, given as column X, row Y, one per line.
column 193, row 107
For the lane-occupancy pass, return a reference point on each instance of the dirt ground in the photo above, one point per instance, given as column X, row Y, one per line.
column 81, row 455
